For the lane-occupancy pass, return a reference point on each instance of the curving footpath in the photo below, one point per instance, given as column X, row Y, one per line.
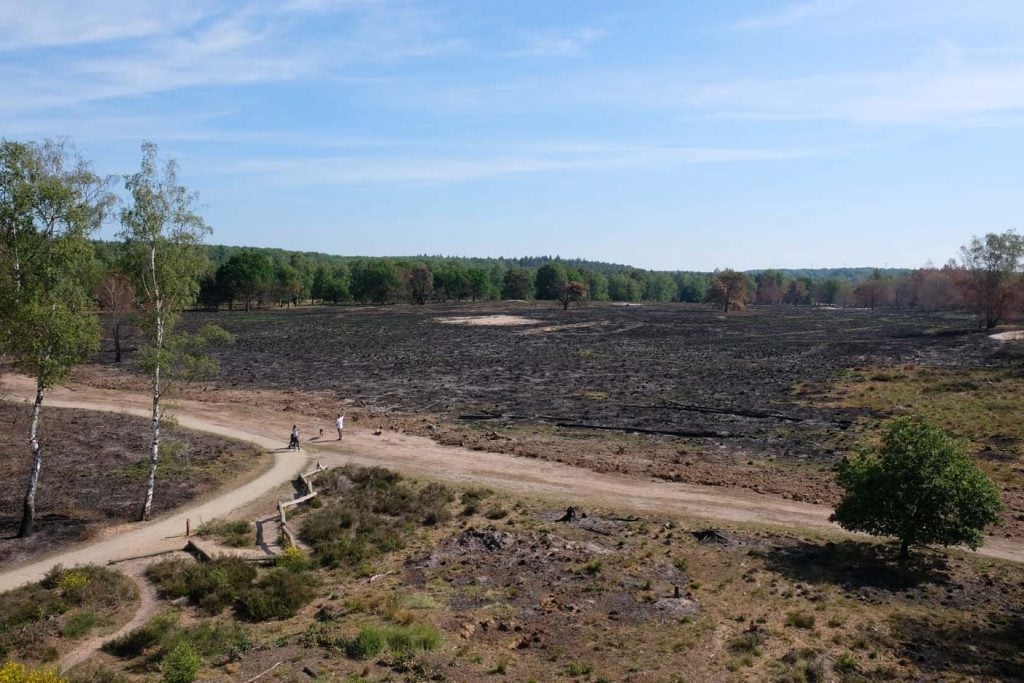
column 268, row 427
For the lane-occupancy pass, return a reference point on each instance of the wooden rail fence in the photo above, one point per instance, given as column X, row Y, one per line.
column 287, row 537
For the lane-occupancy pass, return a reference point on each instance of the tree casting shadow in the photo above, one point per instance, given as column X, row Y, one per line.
column 854, row 565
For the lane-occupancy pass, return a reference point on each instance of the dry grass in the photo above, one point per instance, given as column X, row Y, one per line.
column 528, row 598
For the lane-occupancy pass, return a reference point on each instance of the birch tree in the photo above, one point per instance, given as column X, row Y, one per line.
column 50, row 201
column 163, row 234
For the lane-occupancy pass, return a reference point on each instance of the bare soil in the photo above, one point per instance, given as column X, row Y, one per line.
column 674, row 392
column 93, row 474
column 621, row 597
column 685, row 371
column 515, row 593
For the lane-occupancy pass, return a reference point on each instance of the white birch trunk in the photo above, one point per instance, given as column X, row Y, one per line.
column 29, row 512
column 154, row 454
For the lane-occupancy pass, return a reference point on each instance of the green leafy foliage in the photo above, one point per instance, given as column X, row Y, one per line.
column 182, row 664
column 245, row 277
column 212, row 586
column 372, row 641
column 163, row 254
column 375, row 281
column 176, row 650
column 234, row 534
column 66, row 604
column 50, row 200
column 293, row 559
column 920, row 487
column 370, row 512
column 278, row 594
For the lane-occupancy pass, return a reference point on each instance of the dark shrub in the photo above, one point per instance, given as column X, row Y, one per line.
column 278, row 594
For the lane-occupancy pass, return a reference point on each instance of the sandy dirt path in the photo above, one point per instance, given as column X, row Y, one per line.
column 149, row 603
column 267, row 426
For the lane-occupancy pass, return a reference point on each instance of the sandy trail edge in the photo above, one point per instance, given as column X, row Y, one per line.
column 267, row 426
column 149, row 603
column 164, row 533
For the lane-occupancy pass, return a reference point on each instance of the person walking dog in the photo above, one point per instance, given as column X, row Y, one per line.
column 293, row 443
column 340, row 424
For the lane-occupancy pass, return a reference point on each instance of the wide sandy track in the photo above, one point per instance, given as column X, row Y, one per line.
column 416, row 456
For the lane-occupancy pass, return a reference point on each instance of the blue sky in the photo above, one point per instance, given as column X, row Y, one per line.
column 665, row 134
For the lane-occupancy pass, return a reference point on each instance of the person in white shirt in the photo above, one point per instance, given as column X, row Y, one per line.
column 340, row 424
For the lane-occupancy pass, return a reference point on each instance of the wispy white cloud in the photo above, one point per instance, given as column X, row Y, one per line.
column 796, row 13
column 943, row 93
column 50, row 23
column 947, row 85
column 555, row 43
column 357, row 170
column 255, row 44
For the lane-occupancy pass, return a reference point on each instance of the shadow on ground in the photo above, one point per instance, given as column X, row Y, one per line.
column 971, row 645
column 856, row 566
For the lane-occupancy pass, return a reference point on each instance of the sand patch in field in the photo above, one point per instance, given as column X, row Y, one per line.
column 488, row 320
column 559, row 328
column 1012, row 335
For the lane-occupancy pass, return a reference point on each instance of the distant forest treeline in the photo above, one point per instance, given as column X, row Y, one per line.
column 255, row 277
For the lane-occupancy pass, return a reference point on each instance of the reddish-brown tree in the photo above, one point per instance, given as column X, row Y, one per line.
column 116, row 297
column 730, row 289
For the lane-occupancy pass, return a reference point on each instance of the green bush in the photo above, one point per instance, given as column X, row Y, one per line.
column 496, row 512
column 65, row 604
column 373, row 513
column 182, row 664
column 406, row 640
column 474, row 495
column 145, row 637
column 278, row 594
column 748, row 642
column 800, row 619
column 846, row 662
column 78, row 624
column 367, row 644
column 579, row 669
column 399, row 640
column 235, row 534
column 212, row 586
column 293, row 559
column 341, row 536
column 432, row 501
column 161, row 636
column 213, row 640
column 319, row 635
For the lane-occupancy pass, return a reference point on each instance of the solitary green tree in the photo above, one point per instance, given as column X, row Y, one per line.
column 50, row 200
column 247, row 275
column 375, row 281
column 597, row 285
column 518, row 284
column 920, row 487
column 163, row 235
column 551, row 279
